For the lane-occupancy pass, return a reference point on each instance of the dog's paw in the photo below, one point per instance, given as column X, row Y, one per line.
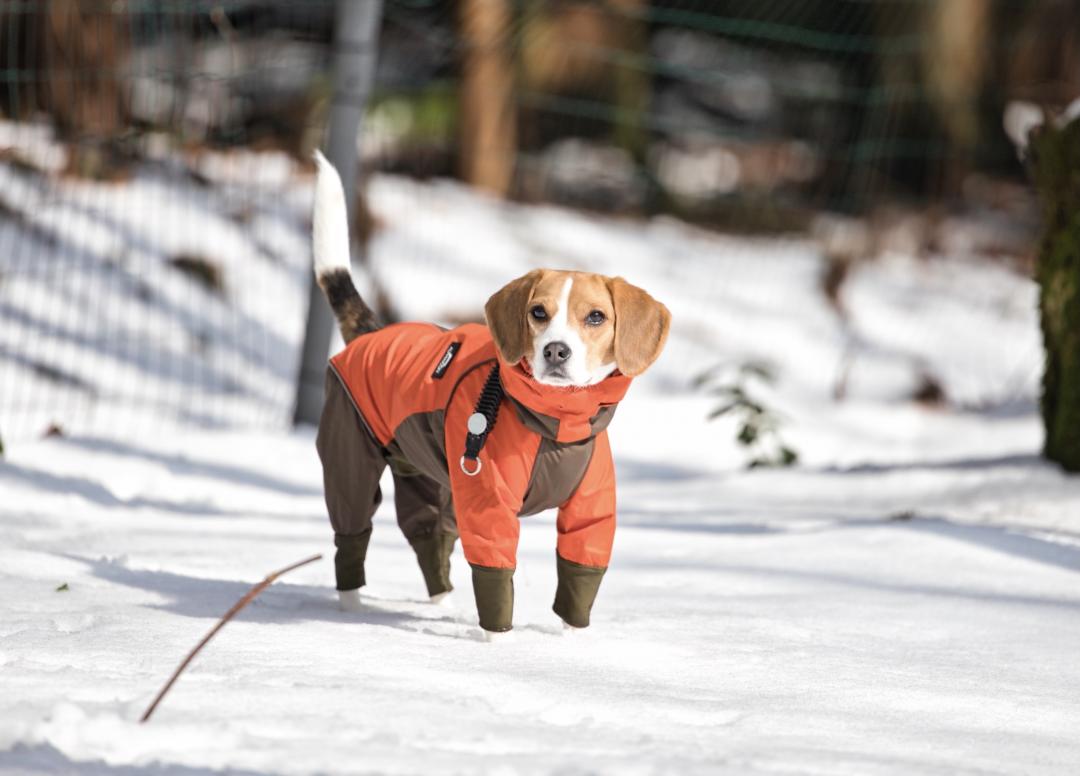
column 498, row 637
column 572, row 631
column 442, row 599
column 350, row 601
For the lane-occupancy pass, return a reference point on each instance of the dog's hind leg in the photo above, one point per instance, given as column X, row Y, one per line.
column 426, row 520
column 353, row 462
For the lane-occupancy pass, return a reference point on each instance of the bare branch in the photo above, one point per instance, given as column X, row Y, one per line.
column 248, row 598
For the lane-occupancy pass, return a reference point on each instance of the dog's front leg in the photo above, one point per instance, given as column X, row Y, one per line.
column 586, row 526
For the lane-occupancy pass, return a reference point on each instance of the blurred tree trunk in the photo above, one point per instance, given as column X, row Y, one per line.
column 1055, row 157
column 632, row 82
column 83, row 46
column 75, row 52
column 955, row 65
column 488, row 124
column 932, row 91
column 595, row 50
column 955, row 61
column 1044, row 65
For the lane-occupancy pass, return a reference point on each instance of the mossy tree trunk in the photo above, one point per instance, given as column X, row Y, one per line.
column 1055, row 159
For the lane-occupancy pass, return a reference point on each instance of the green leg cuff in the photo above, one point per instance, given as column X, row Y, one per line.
column 433, row 554
column 576, row 592
column 494, row 591
column 349, row 559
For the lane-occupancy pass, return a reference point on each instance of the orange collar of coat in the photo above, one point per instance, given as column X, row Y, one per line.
column 574, row 408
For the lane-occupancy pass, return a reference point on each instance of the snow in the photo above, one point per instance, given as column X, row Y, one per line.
column 88, row 290
column 903, row 602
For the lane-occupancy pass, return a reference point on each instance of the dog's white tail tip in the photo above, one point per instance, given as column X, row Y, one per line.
column 330, row 224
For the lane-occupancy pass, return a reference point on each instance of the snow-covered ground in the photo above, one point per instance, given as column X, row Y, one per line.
column 903, row 602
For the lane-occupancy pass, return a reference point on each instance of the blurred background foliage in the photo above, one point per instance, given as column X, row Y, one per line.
column 741, row 114
column 869, row 126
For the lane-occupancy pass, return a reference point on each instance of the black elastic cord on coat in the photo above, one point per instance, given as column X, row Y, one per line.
column 482, row 421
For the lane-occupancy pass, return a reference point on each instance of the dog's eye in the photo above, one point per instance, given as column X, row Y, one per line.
column 539, row 313
column 595, row 318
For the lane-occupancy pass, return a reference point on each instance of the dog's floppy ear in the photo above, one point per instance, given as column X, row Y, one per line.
column 641, row 327
column 505, row 314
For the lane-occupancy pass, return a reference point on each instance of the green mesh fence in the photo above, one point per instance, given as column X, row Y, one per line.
column 126, row 196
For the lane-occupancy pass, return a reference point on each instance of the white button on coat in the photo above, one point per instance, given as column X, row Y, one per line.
column 477, row 423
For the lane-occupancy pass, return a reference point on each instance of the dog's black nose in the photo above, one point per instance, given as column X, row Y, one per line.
column 556, row 353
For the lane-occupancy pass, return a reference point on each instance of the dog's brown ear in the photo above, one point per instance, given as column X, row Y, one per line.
column 505, row 313
column 641, row 327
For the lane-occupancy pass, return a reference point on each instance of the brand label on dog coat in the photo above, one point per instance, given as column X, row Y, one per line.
column 444, row 362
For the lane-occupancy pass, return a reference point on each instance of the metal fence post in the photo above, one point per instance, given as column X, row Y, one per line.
column 356, row 38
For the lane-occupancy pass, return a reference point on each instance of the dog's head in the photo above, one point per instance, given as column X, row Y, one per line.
column 576, row 328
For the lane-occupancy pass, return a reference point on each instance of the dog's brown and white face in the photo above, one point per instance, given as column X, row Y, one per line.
column 576, row 328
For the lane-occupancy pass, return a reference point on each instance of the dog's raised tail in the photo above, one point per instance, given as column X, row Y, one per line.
column 330, row 245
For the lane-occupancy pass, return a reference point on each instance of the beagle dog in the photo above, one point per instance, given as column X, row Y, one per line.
column 480, row 425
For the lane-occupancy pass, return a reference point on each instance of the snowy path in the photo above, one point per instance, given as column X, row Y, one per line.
column 740, row 629
column 905, row 602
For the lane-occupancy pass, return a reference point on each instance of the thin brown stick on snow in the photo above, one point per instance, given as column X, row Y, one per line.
column 248, row 598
